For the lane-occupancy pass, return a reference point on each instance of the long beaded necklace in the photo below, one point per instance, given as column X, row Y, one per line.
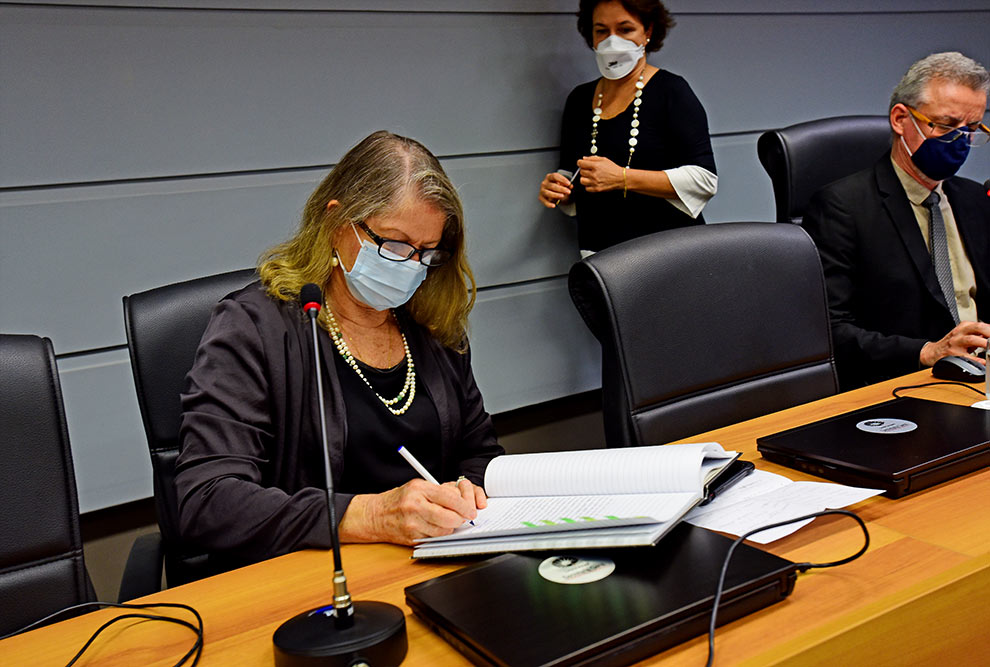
column 408, row 388
column 633, row 127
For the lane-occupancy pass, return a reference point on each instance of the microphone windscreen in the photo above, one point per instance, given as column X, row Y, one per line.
column 310, row 296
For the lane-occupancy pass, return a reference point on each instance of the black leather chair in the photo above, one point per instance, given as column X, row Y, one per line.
column 164, row 326
column 705, row 326
column 41, row 553
column 801, row 159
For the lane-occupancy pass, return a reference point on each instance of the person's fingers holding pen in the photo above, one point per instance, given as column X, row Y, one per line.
column 452, row 507
column 554, row 189
column 472, row 493
column 406, row 513
column 428, row 476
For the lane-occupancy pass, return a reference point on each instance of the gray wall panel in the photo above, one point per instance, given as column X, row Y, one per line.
column 511, row 236
column 108, row 444
column 764, row 71
column 98, row 94
column 530, row 345
column 744, row 190
column 84, row 248
column 97, row 243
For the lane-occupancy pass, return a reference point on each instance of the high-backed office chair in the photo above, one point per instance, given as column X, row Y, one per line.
column 705, row 326
column 41, row 553
column 803, row 158
column 164, row 326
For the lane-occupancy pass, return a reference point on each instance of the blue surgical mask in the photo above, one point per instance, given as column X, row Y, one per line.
column 936, row 159
column 379, row 282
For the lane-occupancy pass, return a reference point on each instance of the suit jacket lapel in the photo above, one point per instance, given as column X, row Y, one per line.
column 898, row 208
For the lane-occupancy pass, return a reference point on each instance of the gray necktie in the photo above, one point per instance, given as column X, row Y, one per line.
column 940, row 252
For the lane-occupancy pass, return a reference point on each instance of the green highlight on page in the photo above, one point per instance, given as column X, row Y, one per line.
column 565, row 519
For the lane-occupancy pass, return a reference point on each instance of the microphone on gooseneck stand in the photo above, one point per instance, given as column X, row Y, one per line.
column 345, row 633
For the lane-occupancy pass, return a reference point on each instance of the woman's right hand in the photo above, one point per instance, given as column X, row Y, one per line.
column 555, row 189
column 412, row 511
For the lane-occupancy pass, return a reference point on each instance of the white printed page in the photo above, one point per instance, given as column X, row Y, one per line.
column 751, row 508
column 754, row 484
column 627, row 470
column 515, row 516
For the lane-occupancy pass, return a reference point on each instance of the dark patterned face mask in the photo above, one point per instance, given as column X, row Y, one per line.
column 937, row 158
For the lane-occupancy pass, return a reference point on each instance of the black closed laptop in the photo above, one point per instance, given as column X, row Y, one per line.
column 504, row 612
column 901, row 446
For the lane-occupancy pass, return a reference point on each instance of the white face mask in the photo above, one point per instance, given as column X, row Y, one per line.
column 382, row 283
column 616, row 56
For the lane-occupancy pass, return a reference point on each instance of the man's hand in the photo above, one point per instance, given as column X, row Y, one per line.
column 962, row 341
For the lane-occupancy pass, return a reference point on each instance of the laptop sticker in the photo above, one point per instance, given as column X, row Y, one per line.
column 572, row 570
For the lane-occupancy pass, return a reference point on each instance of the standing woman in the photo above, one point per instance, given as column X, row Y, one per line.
column 638, row 134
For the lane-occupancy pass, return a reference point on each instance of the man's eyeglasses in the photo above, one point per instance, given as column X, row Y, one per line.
column 400, row 251
column 976, row 134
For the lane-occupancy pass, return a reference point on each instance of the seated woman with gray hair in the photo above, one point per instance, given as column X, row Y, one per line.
column 383, row 236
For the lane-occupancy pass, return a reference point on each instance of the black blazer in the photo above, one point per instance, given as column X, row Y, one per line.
column 250, row 474
column 884, row 298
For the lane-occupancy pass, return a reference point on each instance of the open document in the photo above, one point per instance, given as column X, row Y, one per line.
column 584, row 499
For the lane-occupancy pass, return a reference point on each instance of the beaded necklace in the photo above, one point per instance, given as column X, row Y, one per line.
column 633, row 127
column 408, row 388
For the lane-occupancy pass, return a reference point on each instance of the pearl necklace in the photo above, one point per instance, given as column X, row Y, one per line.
column 634, row 126
column 408, row 388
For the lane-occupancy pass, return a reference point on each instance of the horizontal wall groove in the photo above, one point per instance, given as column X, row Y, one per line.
column 171, row 178
column 521, row 283
column 74, row 354
column 164, row 178
column 88, row 352
column 271, row 171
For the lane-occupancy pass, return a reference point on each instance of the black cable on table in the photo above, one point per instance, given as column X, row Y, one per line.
column 932, row 384
column 802, row 567
column 195, row 652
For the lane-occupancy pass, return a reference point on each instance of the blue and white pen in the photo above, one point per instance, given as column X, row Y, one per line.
column 418, row 467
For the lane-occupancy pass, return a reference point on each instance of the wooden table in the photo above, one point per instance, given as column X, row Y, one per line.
column 920, row 595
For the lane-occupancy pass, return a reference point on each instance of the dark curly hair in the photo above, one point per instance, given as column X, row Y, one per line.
column 651, row 13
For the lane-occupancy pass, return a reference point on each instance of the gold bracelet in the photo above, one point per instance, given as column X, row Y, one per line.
column 624, row 182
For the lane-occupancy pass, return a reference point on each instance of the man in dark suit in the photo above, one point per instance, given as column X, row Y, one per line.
column 908, row 272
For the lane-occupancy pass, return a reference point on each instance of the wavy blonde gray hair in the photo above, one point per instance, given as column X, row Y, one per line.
column 373, row 179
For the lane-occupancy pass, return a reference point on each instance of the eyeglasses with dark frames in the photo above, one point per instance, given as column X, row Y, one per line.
column 400, row 251
column 975, row 134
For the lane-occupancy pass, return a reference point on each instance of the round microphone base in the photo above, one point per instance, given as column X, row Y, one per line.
column 376, row 637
